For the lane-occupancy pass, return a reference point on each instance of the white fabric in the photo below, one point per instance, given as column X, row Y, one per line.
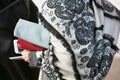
column 99, row 17
column 116, row 3
column 64, row 62
column 112, row 27
column 61, row 53
column 64, row 59
column 38, row 4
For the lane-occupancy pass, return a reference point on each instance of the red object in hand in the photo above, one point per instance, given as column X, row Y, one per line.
column 22, row 44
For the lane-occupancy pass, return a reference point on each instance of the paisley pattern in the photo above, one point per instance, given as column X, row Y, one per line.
column 63, row 13
column 74, row 20
column 83, row 51
column 84, row 59
column 67, row 10
column 97, row 55
column 46, row 64
column 54, row 3
column 107, row 5
column 118, row 12
column 84, row 33
column 109, row 9
column 76, row 6
column 101, row 59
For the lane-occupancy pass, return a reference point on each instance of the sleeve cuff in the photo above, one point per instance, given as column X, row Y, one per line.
column 33, row 59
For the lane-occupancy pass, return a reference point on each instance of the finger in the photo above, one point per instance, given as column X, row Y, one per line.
column 24, row 51
column 25, row 55
column 26, row 60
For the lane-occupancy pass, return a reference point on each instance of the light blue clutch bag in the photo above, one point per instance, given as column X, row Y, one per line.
column 32, row 32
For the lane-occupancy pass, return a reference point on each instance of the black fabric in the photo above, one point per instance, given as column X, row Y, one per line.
column 10, row 12
column 5, row 41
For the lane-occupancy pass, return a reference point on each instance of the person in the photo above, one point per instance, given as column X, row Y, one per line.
column 10, row 12
column 83, row 34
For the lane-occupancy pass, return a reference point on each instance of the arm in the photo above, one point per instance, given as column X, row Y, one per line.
column 33, row 57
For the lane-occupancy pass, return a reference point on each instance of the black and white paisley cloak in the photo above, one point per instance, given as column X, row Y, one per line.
column 81, row 44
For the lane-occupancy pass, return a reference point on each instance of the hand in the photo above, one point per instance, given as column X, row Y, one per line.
column 25, row 55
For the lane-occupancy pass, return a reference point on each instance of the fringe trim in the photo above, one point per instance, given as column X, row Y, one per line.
column 111, row 39
column 65, row 44
column 106, row 14
column 56, row 68
column 100, row 28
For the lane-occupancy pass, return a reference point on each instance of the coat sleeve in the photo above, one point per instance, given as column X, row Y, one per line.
column 35, row 58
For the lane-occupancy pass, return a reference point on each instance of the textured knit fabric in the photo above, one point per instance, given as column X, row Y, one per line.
column 80, row 48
